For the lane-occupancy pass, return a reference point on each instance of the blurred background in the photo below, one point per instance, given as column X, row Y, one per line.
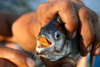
column 25, row 6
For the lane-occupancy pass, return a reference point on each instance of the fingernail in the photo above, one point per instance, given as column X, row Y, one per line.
column 98, row 50
column 30, row 62
column 71, row 35
column 66, row 65
column 74, row 34
column 89, row 48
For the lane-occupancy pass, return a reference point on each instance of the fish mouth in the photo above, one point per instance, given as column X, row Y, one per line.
column 45, row 48
column 44, row 42
column 44, row 45
column 50, row 53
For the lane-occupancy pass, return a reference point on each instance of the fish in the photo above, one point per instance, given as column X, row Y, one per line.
column 60, row 45
column 54, row 44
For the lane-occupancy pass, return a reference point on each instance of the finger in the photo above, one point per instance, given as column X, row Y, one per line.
column 17, row 57
column 67, row 62
column 49, row 63
column 65, row 10
column 96, row 43
column 64, row 62
column 86, row 30
column 69, row 17
column 6, row 63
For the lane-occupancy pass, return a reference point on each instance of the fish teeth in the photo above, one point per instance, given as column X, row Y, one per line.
column 39, row 49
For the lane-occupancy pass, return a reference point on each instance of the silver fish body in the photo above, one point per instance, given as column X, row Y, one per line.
column 60, row 45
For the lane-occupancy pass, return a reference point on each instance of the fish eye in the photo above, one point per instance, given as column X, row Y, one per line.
column 57, row 35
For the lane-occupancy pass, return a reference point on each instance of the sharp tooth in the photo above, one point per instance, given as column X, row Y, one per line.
column 44, row 42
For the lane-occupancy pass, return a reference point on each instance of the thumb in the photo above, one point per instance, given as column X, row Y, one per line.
column 63, row 62
column 17, row 57
column 67, row 62
column 6, row 63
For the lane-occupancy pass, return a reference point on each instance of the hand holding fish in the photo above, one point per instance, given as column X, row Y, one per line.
column 76, row 16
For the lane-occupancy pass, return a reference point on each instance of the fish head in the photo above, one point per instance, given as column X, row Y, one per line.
column 51, row 41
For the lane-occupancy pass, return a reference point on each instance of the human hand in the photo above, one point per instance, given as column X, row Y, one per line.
column 14, row 58
column 20, row 29
column 76, row 16
column 25, row 31
column 64, row 62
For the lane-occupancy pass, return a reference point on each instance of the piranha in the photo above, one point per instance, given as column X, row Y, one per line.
column 53, row 43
